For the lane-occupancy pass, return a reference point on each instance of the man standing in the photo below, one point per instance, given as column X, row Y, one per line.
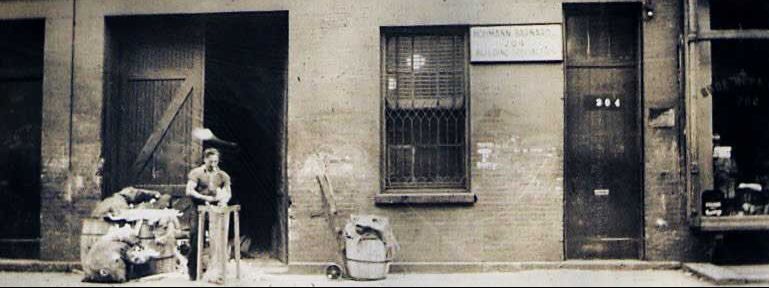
column 206, row 185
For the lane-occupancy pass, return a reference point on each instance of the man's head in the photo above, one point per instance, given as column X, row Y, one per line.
column 211, row 158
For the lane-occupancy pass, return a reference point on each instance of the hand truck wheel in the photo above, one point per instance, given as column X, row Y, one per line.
column 333, row 272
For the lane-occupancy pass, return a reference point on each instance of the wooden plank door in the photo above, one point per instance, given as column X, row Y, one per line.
column 603, row 201
column 159, row 102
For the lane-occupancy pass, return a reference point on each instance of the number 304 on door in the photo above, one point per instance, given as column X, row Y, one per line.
column 604, row 103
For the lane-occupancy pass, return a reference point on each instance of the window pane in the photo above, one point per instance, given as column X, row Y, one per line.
column 424, row 153
column 741, row 14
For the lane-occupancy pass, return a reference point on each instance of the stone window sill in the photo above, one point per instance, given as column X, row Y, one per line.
column 443, row 197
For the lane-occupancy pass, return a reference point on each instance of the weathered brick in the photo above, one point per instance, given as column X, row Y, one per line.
column 334, row 127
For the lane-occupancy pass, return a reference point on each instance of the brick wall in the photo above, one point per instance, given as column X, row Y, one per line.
column 334, row 127
column 668, row 236
column 516, row 111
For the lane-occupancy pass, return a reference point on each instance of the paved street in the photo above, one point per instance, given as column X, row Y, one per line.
column 527, row 278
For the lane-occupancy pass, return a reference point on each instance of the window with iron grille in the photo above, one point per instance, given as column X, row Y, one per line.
column 425, row 91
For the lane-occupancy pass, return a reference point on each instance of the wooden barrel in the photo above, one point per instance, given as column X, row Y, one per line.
column 94, row 229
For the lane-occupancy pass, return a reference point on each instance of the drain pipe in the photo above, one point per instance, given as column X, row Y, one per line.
column 683, row 108
column 72, row 85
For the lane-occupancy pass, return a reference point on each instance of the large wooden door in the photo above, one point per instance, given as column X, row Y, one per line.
column 603, row 201
column 157, row 102
column 21, row 95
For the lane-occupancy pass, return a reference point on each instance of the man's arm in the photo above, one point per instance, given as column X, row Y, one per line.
column 190, row 191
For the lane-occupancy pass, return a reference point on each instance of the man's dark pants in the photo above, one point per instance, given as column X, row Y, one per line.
column 192, row 263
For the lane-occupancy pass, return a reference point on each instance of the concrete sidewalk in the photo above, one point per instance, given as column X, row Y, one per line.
column 269, row 274
column 561, row 274
column 560, row 278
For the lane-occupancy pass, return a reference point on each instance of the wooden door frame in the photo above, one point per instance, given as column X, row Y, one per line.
column 283, row 196
column 640, row 117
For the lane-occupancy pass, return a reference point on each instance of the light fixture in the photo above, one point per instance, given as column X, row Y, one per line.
column 649, row 10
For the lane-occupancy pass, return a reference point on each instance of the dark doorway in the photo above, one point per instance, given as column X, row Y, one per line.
column 246, row 62
column 224, row 72
column 21, row 91
column 603, row 199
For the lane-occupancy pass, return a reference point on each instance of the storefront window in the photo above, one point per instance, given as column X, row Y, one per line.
column 741, row 125
column 740, row 91
column 739, row 14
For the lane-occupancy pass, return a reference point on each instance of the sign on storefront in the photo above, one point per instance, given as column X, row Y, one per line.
column 516, row 43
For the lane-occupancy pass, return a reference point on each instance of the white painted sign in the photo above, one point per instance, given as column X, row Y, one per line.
column 485, row 150
column 602, row 192
column 516, row 43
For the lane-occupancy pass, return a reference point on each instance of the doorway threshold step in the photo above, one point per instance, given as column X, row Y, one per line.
column 730, row 275
column 27, row 265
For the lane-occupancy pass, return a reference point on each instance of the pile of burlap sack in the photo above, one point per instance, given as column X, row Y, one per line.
column 109, row 259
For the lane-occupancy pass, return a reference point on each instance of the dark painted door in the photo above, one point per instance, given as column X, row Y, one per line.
column 21, row 95
column 157, row 101
column 603, row 201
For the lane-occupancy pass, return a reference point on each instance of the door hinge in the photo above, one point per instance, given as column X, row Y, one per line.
column 695, row 168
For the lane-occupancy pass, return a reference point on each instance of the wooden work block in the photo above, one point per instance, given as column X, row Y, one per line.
column 219, row 224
